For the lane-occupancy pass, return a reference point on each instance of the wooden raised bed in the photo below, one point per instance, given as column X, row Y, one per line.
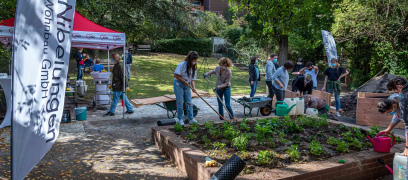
column 367, row 112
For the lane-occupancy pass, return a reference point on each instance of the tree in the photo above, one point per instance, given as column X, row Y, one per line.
column 281, row 18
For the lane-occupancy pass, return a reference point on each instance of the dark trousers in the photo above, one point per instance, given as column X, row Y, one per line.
column 280, row 94
column 271, row 92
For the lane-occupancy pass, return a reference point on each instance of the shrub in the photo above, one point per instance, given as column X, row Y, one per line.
column 183, row 46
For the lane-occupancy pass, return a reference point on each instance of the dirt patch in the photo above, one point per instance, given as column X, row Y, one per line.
column 376, row 85
column 268, row 144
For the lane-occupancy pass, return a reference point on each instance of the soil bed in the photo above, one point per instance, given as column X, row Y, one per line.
column 267, row 144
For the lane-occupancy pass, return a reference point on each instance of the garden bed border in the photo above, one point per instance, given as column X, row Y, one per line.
column 359, row 165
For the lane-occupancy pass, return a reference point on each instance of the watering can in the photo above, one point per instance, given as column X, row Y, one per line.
column 282, row 109
column 381, row 142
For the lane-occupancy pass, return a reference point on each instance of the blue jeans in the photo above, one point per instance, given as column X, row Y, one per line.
column 80, row 67
column 253, row 88
column 128, row 70
column 183, row 96
column 227, row 93
column 330, row 89
column 116, row 96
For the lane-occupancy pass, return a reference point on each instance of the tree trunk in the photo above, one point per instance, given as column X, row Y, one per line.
column 283, row 49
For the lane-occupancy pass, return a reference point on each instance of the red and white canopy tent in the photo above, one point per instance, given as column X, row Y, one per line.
column 86, row 34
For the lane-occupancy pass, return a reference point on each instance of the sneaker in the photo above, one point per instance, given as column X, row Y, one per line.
column 109, row 114
column 192, row 121
column 338, row 114
column 178, row 121
column 130, row 112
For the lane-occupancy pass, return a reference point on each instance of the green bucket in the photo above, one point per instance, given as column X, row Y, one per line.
column 80, row 113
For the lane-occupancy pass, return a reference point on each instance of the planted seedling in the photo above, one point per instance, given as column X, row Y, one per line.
column 343, row 127
column 194, row 128
column 265, row 157
column 240, row 142
column 191, row 136
column 230, row 133
column 178, row 127
column 357, row 133
column 243, row 126
column 348, row 136
column 207, row 142
column 261, row 133
column 271, row 142
column 374, row 130
column 356, row 143
column 293, row 152
column 209, row 125
column 332, row 141
column 316, row 148
column 214, row 133
column 292, row 127
column 342, row 146
column 282, row 139
column 218, row 145
column 244, row 155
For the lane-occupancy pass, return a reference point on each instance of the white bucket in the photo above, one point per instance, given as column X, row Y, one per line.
column 312, row 112
column 300, row 108
column 290, row 102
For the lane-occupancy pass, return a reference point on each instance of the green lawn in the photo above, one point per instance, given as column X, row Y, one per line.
column 152, row 76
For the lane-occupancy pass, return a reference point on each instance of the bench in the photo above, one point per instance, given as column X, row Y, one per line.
column 144, row 48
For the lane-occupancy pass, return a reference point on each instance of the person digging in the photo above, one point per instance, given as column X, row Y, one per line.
column 117, row 88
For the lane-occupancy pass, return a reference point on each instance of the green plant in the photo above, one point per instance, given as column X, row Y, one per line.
column 244, row 155
column 183, row 46
column 374, row 130
column 214, row 133
column 178, row 127
column 332, row 141
column 348, row 136
column 207, row 142
column 243, row 126
column 292, row 127
column 261, row 133
column 226, row 125
column 230, row 133
column 271, row 142
column 342, row 146
column 191, row 136
column 282, row 139
column 194, row 128
column 265, row 157
column 293, row 152
column 316, row 148
column 343, row 127
column 240, row 142
column 313, row 122
column 209, row 125
column 356, row 143
column 218, row 145
column 358, row 133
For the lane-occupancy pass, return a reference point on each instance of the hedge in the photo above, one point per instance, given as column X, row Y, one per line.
column 183, row 46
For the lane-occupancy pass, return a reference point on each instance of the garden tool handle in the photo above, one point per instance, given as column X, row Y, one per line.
column 219, row 99
column 385, row 134
column 283, row 102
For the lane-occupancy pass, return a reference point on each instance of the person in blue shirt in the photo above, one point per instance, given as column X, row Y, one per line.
column 98, row 66
column 254, row 75
column 312, row 70
column 281, row 80
column 128, row 61
column 185, row 75
column 269, row 71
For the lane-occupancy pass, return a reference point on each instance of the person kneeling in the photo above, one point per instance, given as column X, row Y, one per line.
column 316, row 103
column 117, row 87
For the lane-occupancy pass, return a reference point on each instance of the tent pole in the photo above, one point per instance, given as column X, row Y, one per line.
column 124, row 79
column 108, row 60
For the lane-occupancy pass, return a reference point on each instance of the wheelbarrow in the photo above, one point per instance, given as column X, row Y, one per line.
column 261, row 102
column 171, row 108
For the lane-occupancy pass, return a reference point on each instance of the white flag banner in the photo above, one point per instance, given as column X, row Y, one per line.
column 330, row 45
column 41, row 49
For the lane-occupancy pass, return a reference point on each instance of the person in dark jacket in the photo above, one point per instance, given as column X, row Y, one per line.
column 303, row 85
column 80, row 63
column 297, row 67
column 254, row 75
column 117, row 88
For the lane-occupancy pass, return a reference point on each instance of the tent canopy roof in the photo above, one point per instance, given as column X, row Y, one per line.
column 86, row 34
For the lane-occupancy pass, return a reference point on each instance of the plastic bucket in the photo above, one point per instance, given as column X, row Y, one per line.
column 80, row 113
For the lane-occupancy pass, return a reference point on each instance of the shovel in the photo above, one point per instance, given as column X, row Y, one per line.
column 219, row 97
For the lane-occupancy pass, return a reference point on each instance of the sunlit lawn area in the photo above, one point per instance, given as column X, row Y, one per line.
column 152, row 76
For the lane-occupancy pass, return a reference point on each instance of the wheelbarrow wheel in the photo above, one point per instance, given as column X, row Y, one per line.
column 266, row 111
column 247, row 111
